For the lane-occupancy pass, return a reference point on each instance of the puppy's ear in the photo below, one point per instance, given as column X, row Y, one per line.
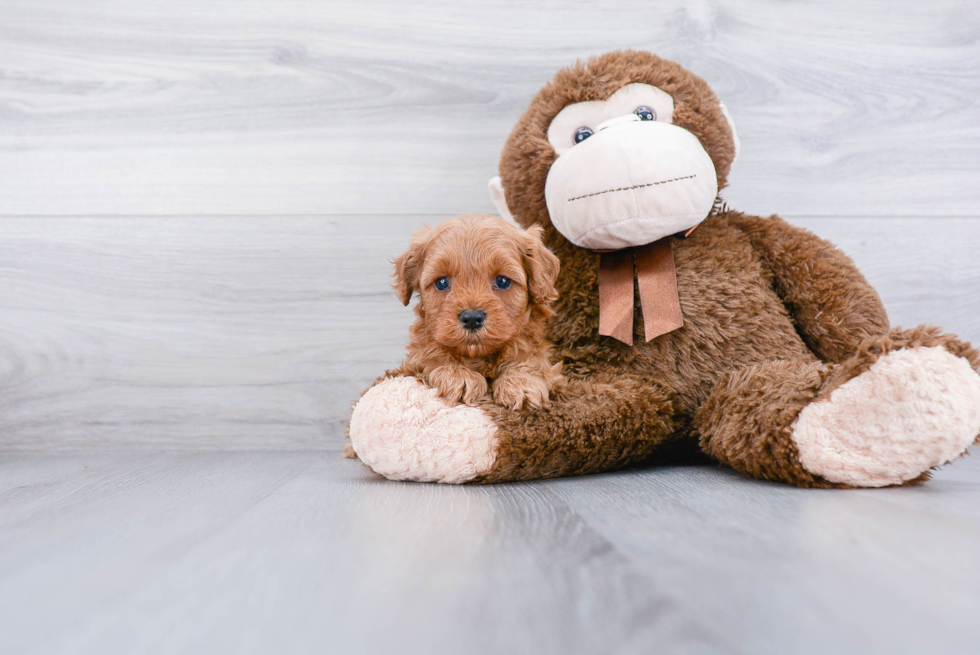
column 542, row 268
column 408, row 266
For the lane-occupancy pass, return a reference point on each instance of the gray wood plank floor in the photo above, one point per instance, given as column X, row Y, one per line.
column 307, row 552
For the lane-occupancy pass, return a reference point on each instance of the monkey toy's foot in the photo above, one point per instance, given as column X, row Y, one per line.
column 404, row 431
column 909, row 411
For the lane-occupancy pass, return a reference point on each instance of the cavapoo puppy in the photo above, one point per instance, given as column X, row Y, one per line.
column 485, row 289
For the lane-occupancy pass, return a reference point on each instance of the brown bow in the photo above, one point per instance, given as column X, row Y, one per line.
column 657, row 281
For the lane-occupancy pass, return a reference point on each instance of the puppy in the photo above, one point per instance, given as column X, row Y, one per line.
column 486, row 289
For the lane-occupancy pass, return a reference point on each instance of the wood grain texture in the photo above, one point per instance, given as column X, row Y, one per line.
column 259, row 332
column 174, row 107
column 198, row 204
column 307, row 552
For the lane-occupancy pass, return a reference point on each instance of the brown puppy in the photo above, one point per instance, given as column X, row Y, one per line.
column 486, row 288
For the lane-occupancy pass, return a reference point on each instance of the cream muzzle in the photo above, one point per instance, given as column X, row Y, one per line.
column 631, row 183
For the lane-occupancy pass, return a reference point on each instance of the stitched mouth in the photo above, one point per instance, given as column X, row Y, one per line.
column 630, row 188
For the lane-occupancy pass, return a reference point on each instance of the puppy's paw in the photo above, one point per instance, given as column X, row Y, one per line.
column 455, row 383
column 514, row 389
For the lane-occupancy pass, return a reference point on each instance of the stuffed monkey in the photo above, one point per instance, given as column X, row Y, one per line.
column 682, row 324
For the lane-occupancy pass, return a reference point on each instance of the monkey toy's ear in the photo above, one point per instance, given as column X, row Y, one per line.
column 731, row 125
column 408, row 266
column 496, row 187
column 542, row 268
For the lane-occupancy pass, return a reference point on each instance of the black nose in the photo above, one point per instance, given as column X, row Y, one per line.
column 472, row 319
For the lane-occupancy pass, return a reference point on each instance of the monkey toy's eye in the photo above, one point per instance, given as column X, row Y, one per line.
column 583, row 133
column 646, row 114
column 501, row 283
column 441, row 284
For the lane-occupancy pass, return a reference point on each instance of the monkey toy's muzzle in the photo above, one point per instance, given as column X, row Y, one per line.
column 631, row 183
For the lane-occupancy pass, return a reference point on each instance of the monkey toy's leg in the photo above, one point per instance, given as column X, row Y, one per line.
column 403, row 431
column 903, row 404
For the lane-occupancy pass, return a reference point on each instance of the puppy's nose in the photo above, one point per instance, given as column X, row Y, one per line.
column 472, row 319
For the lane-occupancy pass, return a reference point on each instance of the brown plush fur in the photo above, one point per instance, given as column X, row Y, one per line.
column 509, row 349
column 528, row 156
column 745, row 422
column 774, row 318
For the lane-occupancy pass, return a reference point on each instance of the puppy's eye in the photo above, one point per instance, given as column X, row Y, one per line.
column 502, row 283
column 646, row 114
column 441, row 284
column 583, row 133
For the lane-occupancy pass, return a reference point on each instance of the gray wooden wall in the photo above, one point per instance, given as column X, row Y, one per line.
column 198, row 200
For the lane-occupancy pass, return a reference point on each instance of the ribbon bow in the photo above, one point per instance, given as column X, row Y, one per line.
column 657, row 281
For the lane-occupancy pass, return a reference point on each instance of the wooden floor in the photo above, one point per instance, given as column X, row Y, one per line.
column 199, row 202
column 307, row 552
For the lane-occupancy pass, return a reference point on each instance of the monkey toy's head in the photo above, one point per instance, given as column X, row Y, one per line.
column 618, row 151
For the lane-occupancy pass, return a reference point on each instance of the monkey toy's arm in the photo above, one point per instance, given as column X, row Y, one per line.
column 832, row 305
column 402, row 430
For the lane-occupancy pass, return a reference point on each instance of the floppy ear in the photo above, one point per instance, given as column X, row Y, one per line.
column 408, row 266
column 542, row 268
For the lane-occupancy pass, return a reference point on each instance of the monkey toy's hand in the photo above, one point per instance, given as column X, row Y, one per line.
column 403, row 430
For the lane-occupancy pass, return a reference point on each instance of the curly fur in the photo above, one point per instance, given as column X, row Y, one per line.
column 509, row 351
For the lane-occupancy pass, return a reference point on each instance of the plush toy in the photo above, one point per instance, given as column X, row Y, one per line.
column 681, row 324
